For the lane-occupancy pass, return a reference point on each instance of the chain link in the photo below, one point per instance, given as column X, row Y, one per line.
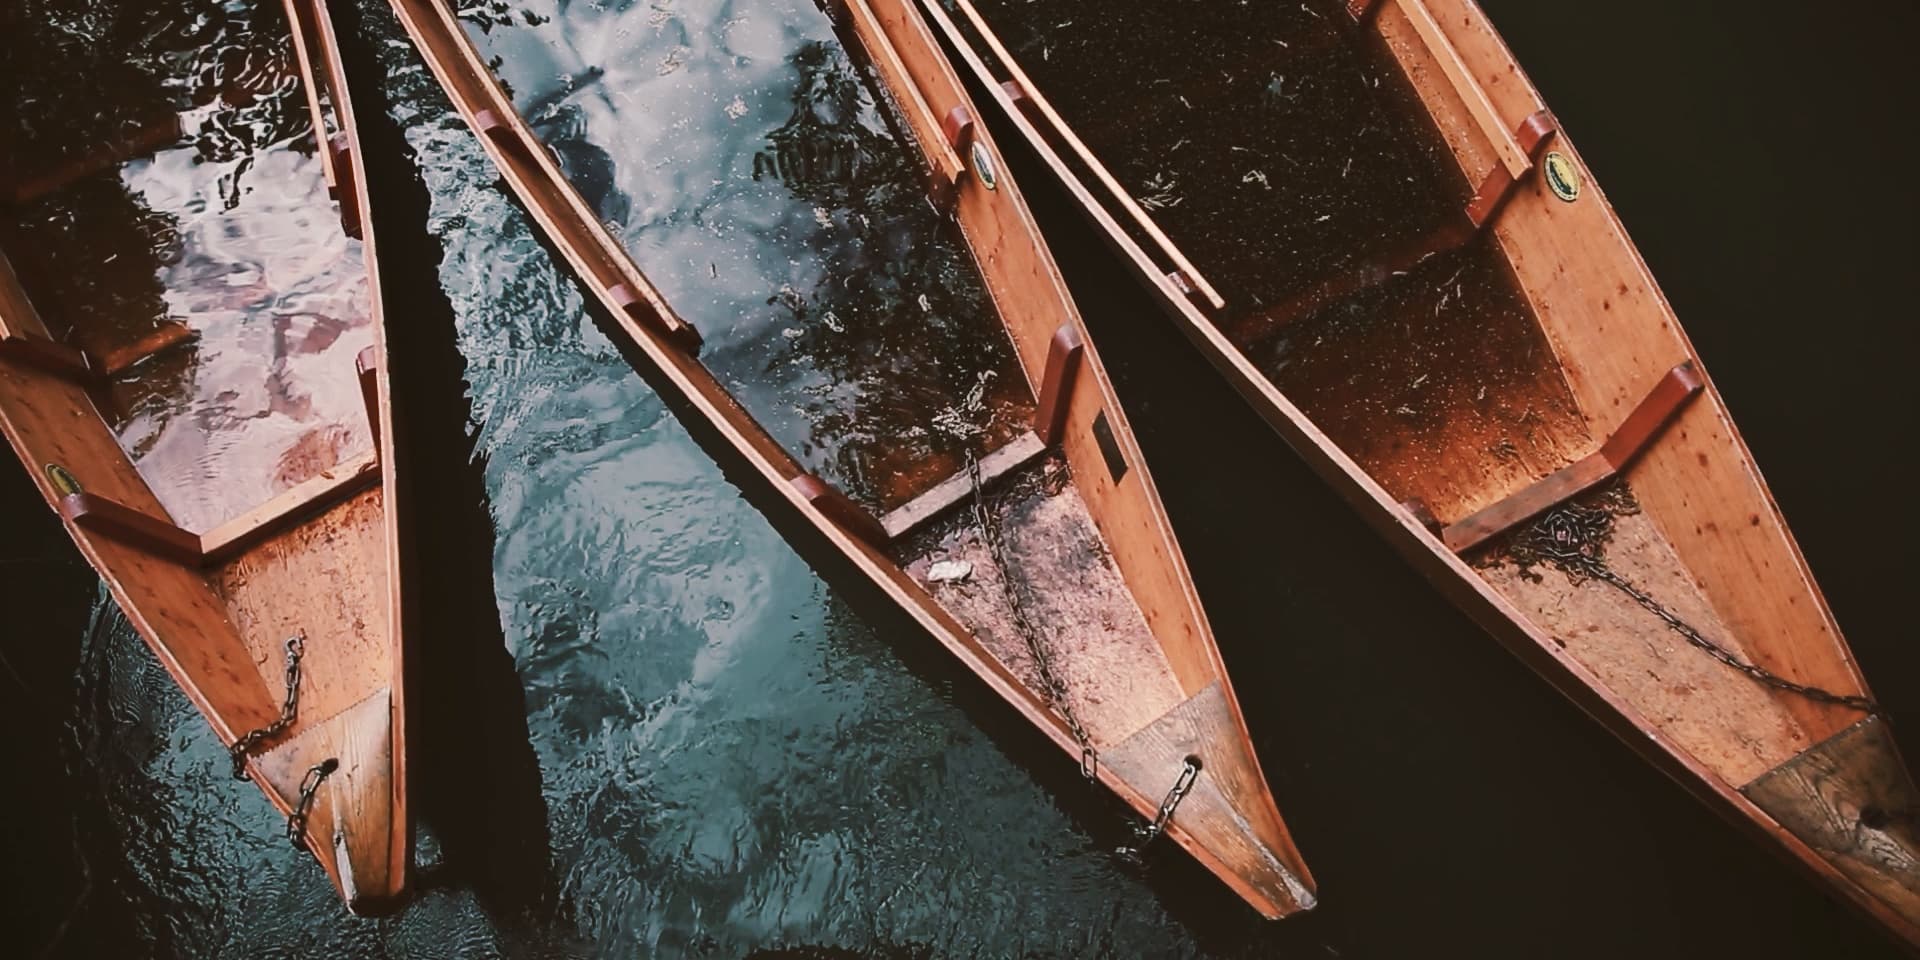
column 296, row 648
column 303, row 807
column 1051, row 685
column 1574, row 537
column 1145, row 835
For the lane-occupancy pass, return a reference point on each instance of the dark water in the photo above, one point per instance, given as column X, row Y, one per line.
column 650, row 729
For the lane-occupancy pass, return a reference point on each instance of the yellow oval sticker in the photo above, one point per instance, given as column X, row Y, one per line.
column 1562, row 178
column 983, row 166
column 64, row 482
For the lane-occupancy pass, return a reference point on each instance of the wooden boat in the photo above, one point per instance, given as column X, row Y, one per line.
column 1366, row 218
column 170, row 364
column 1035, row 547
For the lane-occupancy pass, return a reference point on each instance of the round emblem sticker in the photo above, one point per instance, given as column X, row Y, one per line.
column 1562, row 178
column 64, row 483
column 983, row 165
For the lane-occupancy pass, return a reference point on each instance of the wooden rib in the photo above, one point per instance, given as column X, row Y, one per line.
column 289, row 507
column 1511, row 154
column 927, row 125
column 839, row 508
column 1038, row 102
column 366, row 370
column 1056, row 385
column 1492, row 195
column 111, row 518
column 954, row 490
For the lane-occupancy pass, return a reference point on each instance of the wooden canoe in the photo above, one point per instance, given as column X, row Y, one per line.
column 1086, row 557
column 1364, row 216
column 208, row 412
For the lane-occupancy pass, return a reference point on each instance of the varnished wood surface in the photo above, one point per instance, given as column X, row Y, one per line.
column 1708, row 540
column 1033, row 304
column 318, row 562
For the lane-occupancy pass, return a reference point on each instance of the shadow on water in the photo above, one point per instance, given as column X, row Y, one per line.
column 474, row 777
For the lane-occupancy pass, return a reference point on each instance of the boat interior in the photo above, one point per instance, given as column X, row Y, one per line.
column 1370, row 205
column 902, row 347
column 189, row 352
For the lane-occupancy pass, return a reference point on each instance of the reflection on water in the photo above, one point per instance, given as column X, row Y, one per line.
column 735, row 151
column 218, row 220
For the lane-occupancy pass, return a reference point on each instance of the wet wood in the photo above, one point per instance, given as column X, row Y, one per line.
column 1031, row 300
column 958, row 488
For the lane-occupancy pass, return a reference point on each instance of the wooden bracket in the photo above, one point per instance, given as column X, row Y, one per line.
column 840, row 508
column 342, row 188
column 1018, row 94
column 957, row 127
column 77, row 364
column 648, row 314
column 111, row 518
column 1056, row 385
column 49, row 356
column 1491, row 197
column 366, row 369
column 494, row 128
column 1660, row 406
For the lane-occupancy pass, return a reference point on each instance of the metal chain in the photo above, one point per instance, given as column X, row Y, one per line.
column 1189, row 773
column 1572, row 537
column 309, row 785
column 1050, row 683
column 296, row 647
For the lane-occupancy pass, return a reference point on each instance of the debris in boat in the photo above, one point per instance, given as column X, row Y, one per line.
column 1158, row 193
column 925, row 304
column 737, row 107
column 822, row 217
column 1258, row 176
column 950, row 571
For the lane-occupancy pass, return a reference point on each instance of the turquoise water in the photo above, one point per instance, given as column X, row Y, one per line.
column 649, row 728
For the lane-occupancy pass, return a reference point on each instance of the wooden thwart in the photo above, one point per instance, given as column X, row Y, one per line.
column 839, row 508
column 955, row 490
column 1660, row 406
